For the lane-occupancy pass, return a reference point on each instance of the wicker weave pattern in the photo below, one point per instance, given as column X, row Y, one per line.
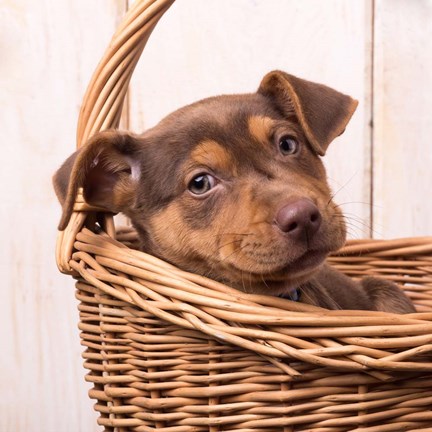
column 171, row 351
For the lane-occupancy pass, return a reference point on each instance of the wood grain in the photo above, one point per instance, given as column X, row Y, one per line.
column 402, row 118
column 49, row 50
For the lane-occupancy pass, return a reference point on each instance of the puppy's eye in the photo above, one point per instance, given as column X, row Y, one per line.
column 288, row 145
column 201, row 184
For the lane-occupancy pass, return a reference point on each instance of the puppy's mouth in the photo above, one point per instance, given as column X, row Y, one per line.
column 295, row 273
column 277, row 279
column 305, row 263
column 310, row 260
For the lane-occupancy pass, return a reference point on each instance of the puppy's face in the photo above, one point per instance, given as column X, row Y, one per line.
column 230, row 187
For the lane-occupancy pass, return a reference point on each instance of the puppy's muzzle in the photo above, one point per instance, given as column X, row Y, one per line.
column 299, row 219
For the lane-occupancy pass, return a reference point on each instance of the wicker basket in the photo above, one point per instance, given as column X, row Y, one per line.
column 171, row 351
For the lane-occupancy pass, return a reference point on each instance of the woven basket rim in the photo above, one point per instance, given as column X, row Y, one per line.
column 264, row 324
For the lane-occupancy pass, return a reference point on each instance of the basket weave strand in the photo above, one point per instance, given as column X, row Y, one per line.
column 103, row 102
column 171, row 351
column 171, row 297
column 163, row 344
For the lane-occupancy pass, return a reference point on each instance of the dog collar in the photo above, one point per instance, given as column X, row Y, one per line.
column 293, row 295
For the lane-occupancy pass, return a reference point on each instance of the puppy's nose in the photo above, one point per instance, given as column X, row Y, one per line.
column 299, row 218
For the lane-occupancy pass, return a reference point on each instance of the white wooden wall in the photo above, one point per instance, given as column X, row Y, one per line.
column 377, row 51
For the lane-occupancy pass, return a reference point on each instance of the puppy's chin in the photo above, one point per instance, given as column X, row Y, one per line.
column 279, row 280
column 267, row 260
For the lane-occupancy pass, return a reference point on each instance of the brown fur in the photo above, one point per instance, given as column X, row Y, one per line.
column 235, row 231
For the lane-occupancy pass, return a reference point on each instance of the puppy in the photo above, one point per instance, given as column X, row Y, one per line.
column 233, row 188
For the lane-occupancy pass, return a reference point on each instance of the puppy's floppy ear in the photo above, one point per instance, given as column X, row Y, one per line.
column 322, row 112
column 106, row 168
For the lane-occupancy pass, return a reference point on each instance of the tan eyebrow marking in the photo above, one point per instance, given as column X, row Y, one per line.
column 212, row 154
column 260, row 128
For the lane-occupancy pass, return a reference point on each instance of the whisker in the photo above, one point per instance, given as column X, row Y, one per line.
column 353, row 217
column 358, row 224
column 265, row 283
column 355, row 232
column 233, row 234
column 369, row 204
column 243, row 284
column 234, row 252
column 229, row 243
column 357, row 219
column 342, row 187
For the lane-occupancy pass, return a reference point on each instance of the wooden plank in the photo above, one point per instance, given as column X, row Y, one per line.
column 402, row 118
column 49, row 50
column 201, row 49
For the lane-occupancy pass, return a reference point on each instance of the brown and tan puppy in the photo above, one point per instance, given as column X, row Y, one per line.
column 233, row 188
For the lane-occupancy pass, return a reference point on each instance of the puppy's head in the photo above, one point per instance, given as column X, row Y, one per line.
column 231, row 187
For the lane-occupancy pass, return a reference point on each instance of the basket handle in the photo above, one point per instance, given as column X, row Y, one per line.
column 103, row 102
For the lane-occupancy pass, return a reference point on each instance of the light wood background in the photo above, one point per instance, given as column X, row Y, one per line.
column 377, row 51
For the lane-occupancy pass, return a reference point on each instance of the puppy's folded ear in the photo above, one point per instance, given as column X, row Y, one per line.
column 322, row 112
column 106, row 168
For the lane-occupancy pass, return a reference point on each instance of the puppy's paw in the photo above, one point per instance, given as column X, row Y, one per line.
column 386, row 296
